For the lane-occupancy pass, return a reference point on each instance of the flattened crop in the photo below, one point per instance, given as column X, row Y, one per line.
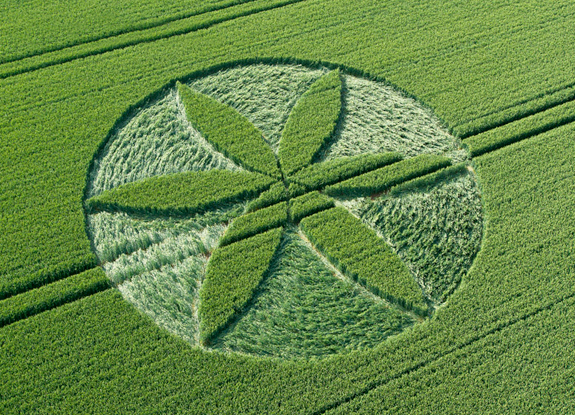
column 215, row 222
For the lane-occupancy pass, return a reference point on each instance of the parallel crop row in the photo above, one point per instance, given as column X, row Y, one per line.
column 541, row 103
column 181, row 193
column 311, row 123
column 323, row 174
column 308, row 204
column 382, row 179
column 233, row 275
column 64, row 269
column 52, row 295
column 228, row 131
column 521, row 129
column 93, row 21
column 256, row 222
column 362, row 255
column 50, row 55
column 275, row 194
column 430, row 180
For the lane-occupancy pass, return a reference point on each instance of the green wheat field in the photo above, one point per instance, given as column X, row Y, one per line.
column 287, row 207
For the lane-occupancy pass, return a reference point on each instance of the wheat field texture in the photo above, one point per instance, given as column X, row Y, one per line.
column 287, row 207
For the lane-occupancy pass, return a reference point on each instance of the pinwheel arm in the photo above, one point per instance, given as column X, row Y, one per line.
column 233, row 275
column 229, row 132
column 182, row 193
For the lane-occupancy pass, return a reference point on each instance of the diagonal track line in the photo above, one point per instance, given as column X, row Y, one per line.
column 151, row 38
column 51, row 295
column 525, row 114
column 519, row 103
column 377, row 383
column 524, row 136
column 36, row 309
column 135, row 28
column 43, row 278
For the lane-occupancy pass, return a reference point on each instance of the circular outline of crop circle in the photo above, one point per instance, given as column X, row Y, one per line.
column 133, row 109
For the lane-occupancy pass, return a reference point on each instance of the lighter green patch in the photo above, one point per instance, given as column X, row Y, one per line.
column 264, row 94
column 114, row 234
column 437, row 231
column 157, row 140
column 303, row 310
column 376, row 118
column 169, row 295
column 169, row 251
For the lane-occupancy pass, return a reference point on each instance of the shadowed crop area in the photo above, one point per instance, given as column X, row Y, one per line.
column 287, row 207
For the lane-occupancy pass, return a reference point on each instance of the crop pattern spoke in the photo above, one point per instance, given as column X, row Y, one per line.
column 284, row 211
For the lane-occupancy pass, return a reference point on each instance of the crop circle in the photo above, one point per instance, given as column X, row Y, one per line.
column 284, row 210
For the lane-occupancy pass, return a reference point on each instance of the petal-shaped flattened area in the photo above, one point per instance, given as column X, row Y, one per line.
column 311, row 123
column 181, row 193
column 233, row 275
column 384, row 178
column 229, row 131
column 362, row 255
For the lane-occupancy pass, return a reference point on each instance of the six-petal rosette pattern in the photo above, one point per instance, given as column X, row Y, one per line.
column 281, row 210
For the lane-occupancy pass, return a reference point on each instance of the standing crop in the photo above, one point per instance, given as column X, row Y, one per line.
column 296, row 187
